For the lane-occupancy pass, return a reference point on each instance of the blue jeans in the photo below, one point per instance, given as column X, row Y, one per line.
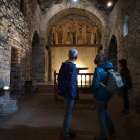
column 104, row 118
column 124, row 91
column 68, row 115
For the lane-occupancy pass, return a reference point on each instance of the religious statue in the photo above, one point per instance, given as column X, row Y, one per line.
column 80, row 36
column 88, row 34
column 72, row 21
column 53, row 37
column 68, row 39
column 81, row 22
column 95, row 33
column 60, row 33
column 73, row 29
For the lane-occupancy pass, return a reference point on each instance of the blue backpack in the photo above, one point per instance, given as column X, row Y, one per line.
column 114, row 81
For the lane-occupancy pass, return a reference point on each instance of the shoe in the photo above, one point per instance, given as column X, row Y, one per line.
column 71, row 135
column 98, row 138
column 65, row 139
column 112, row 134
column 125, row 114
column 122, row 111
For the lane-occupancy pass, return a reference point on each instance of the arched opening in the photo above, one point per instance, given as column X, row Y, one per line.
column 112, row 52
column 15, row 70
column 125, row 26
column 38, row 1
column 60, row 18
column 22, row 6
column 35, row 57
column 62, row 15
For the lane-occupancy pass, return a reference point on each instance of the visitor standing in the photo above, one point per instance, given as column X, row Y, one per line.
column 68, row 89
column 102, row 96
column 125, row 73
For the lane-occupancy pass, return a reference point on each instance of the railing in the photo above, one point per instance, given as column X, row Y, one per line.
column 84, row 81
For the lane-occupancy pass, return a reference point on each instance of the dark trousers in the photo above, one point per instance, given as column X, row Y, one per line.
column 104, row 118
column 124, row 91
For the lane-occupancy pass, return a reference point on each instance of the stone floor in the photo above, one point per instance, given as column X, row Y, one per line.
column 40, row 118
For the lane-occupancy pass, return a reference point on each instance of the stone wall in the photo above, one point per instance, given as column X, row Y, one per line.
column 16, row 33
column 17, row 30
column 128, row 46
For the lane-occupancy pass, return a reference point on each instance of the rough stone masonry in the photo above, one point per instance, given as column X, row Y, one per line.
column 22, row 58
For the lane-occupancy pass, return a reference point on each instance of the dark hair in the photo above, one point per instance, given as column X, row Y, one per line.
column 123, row 62
column 102, row 57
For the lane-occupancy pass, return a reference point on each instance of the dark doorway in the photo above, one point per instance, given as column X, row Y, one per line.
column 35, row 57
column 15, row 70
column 112, row 52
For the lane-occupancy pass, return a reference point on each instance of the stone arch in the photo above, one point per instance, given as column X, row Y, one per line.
column 81, row 8
column 112, row 51
column 88, row 9
column 74, row 11
column 125, row 25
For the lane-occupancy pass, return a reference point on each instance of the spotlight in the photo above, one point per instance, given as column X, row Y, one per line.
column 6, row 88
column 109, row 4
column 75, row 0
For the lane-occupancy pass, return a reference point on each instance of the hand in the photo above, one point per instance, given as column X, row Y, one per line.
column 131, row 90
column 58, row 92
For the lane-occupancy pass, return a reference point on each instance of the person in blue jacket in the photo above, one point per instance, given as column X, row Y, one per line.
column 102, row 96
column 68, row 89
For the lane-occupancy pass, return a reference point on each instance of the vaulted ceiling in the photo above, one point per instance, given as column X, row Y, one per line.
column 103, row 2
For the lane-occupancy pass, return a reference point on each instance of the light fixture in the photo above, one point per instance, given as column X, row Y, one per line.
column 109, row 4
column 6, row 88
column 75, row 0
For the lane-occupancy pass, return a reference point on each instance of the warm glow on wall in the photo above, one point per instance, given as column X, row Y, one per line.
column 85, row 59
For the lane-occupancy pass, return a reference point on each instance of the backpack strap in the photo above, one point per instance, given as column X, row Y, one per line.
column 108, row 72
column 102, row 84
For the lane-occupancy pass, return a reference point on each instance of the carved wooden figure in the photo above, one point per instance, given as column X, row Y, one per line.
column 68, row 39
column 73, row 29
column 60, row 33
column 53, row 37
column 95, row 34
column 88, row 34
column 79, row 36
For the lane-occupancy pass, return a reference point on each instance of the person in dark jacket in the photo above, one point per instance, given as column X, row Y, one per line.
column 125, row 73
column 102, row 96
column 68, row 89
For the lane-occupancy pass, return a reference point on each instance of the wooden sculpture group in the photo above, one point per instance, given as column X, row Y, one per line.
column 74, row 31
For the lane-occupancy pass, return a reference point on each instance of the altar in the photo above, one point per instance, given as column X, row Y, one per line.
column 76, row 32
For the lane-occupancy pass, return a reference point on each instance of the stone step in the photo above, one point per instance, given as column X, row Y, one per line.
column 8, row 106
column 45, row 91
column 45, row 88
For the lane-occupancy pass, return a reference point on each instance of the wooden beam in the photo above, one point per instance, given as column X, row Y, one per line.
column 75, row 45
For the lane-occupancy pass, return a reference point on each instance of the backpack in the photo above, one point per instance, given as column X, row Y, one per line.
column 114, row 81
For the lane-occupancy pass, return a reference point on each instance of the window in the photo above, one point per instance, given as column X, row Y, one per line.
column 22, row 6
column 38, row 1
column 125, row 26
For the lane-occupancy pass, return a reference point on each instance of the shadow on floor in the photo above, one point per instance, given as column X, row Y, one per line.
column 22, row 132
column 131, row 129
